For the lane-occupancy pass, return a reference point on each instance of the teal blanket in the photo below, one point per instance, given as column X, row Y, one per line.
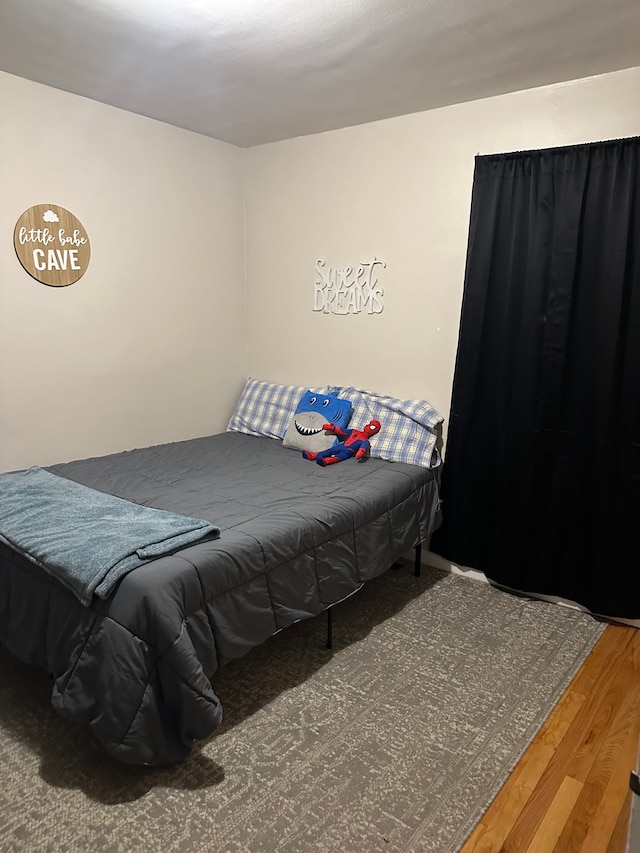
column 87, row 539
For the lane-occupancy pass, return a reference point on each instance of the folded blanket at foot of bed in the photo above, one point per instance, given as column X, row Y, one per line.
column 85, row 538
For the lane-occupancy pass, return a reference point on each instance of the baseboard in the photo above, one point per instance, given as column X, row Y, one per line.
column 438, row 562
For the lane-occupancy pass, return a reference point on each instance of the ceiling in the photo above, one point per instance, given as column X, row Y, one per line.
column 255, row 71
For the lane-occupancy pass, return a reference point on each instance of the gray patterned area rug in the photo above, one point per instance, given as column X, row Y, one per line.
column 396, row 740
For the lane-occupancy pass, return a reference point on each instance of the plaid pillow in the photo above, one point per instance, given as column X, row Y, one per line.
column 265, row 409
column 409, row 427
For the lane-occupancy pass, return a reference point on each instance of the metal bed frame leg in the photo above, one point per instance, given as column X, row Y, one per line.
column 417, row 568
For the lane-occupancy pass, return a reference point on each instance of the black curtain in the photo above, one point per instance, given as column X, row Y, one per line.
column 541, row 480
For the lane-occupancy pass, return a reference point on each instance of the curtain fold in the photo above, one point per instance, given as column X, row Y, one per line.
column 541, row 481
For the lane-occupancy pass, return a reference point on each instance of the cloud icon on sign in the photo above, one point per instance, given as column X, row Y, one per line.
column 50, row 216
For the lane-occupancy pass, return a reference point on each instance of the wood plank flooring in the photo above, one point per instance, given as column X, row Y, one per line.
column 570, row 792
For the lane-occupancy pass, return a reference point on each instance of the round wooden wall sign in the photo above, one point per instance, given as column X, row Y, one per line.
column 52, row 245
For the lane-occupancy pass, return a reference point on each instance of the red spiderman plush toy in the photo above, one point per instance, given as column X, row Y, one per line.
column 356, row 444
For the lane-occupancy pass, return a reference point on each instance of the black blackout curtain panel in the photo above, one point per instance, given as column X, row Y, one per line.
column 541, row 480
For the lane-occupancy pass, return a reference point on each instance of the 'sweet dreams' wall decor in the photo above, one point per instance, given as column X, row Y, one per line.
column 348, row 290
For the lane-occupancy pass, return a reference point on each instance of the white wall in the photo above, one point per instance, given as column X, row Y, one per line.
column 149, row 345
column 399, row 189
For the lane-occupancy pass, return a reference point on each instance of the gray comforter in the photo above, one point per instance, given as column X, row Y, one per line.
column 295, row 539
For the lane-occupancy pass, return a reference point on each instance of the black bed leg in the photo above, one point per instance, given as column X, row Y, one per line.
column 417, row 566
column 329, row 628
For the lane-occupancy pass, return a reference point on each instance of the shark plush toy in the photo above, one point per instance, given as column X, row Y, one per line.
column 306, row 428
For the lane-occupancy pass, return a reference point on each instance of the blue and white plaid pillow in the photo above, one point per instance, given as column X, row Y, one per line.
column 409, row 429
column 265, row 408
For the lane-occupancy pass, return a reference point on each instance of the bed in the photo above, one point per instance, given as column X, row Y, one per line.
column 295, row 538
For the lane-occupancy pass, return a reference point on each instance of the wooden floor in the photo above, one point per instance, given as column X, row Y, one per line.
column 570, row 791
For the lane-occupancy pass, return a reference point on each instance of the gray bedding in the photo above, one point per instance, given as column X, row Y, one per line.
column 295, row 539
